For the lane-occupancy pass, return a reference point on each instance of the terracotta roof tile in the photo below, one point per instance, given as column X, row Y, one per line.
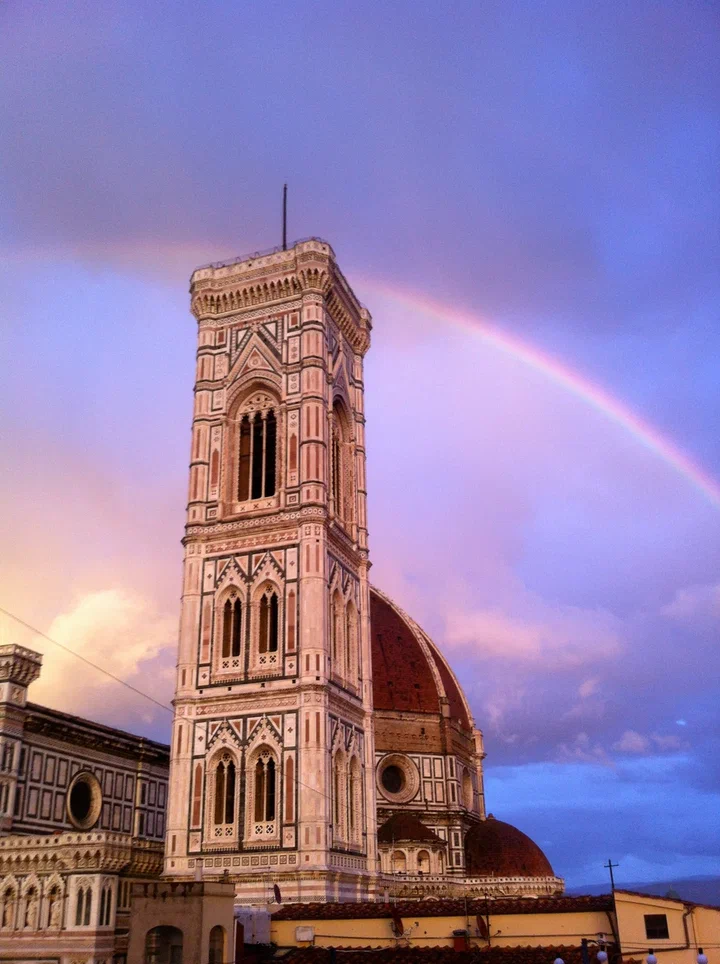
column 448, row 907
column 442, row 955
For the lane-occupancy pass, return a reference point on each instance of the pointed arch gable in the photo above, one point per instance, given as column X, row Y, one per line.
column 230, row 575
column 224, row 738
column 257, row 360
column 341, row 386
column 268, row 568
column 32, row 881
column 54, row 881
column 10, row 883
column 264, row 734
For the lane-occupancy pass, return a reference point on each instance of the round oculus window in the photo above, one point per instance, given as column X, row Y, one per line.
column 397, row 778
column 393, row 779
column 84, row 801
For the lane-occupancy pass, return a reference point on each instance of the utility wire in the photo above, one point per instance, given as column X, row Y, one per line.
column 84, row 659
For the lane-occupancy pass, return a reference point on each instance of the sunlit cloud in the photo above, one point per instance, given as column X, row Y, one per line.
column 122, row 633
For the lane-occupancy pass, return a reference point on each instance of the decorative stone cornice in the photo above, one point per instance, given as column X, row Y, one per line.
column 19, row 665
column 93, row 851
column 229, row 289
column 61, row 726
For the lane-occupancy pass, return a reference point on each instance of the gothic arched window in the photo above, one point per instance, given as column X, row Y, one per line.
column 352, row 656
column 257, row 455
column 83, row 907
column 263, row 796
column 268, row 629
column 341, row 465
column 224, row 792
column 339, row 794
column 265, row 789
column 232, row 626
column 337, row 627
column 355, row 809
column 105, row 906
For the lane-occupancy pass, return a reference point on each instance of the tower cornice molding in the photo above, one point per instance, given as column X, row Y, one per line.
column 308, row 514
column 224, row 291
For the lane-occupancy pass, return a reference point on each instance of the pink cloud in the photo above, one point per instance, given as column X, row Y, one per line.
column 694, row 602
column 556, row 635
column 123, row 633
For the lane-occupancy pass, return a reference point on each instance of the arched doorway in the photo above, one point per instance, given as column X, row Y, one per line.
column 216, row 949
column 164, row 945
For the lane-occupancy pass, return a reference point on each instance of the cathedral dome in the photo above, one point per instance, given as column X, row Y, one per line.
column 497, row 849
column 409, row 672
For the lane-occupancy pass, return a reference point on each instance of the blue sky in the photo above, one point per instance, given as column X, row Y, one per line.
column 551, row 168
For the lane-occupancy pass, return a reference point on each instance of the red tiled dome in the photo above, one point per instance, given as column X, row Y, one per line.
column 497, row 849
column 409, row 673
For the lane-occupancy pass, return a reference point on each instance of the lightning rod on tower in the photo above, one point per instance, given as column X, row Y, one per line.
column 284, row 217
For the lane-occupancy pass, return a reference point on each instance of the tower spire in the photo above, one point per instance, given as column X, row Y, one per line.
column 284, row 236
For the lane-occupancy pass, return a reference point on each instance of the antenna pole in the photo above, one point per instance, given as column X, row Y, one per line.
column 611, row 866
column 284, row 217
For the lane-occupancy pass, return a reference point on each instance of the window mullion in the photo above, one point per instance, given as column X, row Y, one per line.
column 263, row 453
column 252, row 456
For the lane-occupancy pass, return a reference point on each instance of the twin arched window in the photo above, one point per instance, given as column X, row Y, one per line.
column 344, row 650
column 83, row 907
column 347, row 800
column 265, row 631
column 261, row 797
column 257, row 455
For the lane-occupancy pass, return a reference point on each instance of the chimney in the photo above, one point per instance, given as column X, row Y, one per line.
column 460, row 940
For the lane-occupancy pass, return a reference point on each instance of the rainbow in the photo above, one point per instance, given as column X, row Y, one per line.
column 570, row 381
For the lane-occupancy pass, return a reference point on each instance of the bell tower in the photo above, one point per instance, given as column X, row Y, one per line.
column 272, row 778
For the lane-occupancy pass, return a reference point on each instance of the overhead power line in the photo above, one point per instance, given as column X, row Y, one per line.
column 89, row 662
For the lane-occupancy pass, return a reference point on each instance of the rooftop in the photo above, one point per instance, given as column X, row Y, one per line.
column 440, row 955
column 448, row 907
column 67, row 728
